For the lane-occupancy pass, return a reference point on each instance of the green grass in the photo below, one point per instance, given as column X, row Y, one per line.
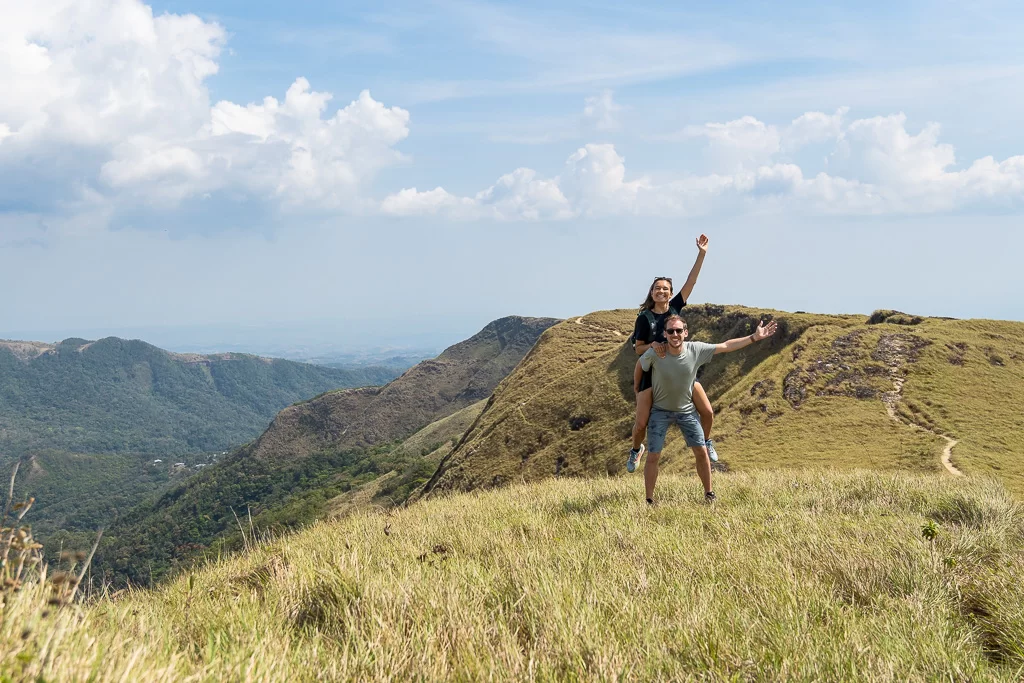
column 792, row 575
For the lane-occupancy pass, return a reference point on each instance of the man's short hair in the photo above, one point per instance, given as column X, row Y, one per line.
column 672, row 318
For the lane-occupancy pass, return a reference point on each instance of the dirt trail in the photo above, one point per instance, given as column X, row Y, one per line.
column 579, row 321
column 892, row 398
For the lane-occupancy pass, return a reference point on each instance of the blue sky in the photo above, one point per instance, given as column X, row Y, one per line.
column 459, row 161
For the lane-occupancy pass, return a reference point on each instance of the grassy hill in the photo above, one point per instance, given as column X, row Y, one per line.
column 792, row 575
column 319, row 455
column 890, row 392
column 115, row 395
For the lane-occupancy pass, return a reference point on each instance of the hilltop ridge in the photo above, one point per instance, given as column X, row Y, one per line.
column 889, row 391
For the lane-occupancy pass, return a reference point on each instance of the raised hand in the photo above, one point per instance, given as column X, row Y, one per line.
column 764, row 331
column 659, row 348
column 702, row 243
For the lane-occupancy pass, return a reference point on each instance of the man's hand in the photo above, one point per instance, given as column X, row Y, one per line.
column 702, row 243
column 764, row 331
column 659, row 348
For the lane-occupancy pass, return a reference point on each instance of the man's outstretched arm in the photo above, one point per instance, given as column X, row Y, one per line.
column 691, row 279
column 762, row 332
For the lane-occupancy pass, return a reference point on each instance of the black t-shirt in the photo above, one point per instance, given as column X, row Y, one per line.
column 642, row 329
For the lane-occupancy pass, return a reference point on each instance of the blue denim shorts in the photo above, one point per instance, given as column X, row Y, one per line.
column 657, row 428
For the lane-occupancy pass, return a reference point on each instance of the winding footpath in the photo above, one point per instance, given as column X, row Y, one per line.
column 892, row 398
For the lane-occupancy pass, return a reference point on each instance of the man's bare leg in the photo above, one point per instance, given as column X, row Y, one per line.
column 703, row 463
column 644, row 400
column 651, row 474
column 704, row 409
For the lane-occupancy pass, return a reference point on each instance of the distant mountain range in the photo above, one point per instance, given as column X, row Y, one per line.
column 318, row 453
column 117, row 395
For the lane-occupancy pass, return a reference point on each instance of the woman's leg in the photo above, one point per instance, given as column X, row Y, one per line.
column 704, row 409
column 644, row 399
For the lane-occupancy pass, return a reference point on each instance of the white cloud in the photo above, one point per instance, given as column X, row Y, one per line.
column 411, row 202
column 877, row 167
column 813, row 127
column 738, row 143
column 881, row 150
column 516, row 195
column 600, row 112
column 107, row 99
column 592, row 184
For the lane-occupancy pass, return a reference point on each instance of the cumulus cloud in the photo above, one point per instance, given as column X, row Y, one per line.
column 742, row 142
column 876, row 166
column 106, row 113
column 813, row 127
column 104, row 98
column 516, row 195
column 593, row 183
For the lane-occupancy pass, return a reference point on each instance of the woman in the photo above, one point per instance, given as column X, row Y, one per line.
column 649, row 331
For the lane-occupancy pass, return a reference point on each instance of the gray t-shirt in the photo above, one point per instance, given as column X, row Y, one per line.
column 673, row 376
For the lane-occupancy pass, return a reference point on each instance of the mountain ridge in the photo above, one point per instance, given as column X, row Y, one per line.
column 113, row 394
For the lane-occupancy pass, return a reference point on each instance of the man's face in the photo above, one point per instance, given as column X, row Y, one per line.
column 675, row 333
column 661, row 292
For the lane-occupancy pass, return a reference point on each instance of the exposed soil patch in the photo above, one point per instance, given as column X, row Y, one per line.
column 839, row 367
column 794, row 387
column 25, row 351
column 896, row 349
column 763, row 388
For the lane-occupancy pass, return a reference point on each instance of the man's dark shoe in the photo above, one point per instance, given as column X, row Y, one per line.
column 709, row 497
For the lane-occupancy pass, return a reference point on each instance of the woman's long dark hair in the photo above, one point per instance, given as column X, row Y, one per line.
column 649, row 303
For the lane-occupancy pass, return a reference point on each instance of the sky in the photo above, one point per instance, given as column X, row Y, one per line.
column 302, row 173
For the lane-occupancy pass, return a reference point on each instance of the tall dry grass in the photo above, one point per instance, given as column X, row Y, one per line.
column 798, row 576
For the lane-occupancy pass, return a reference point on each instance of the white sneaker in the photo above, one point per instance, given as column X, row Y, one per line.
column 712, row 453
column 634, row 458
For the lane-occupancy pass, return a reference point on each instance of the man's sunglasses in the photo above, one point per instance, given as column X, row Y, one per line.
column 675, row 330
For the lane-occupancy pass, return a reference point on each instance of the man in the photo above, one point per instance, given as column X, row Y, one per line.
column 673, row 379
